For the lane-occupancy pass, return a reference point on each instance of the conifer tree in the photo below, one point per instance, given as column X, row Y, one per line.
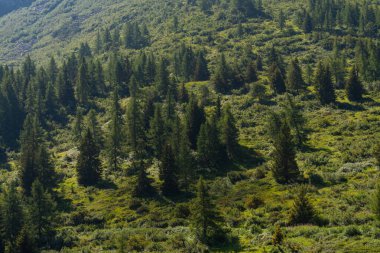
column 162, row 78
column 229, row 133
column 65, row 92
column 168, row 172
column 294, row 79
column 284, row 167
column 133, row 124
column 204, row 215
column 114, row 137
column 194, row 118
column 157, row 132
column 323, row 82
column 185, row 160
column 88, row 163
column 143, row 187
column 250, row 75
column 12, row 215
column 82, row 89
column 296, row 120
column 302, row 211
column 376, row 202
column 92, row 124
column 221, row 78
column 34, row 158
column 41, row 212
column 201, row 72
column 354, row 88
column 277, row 80
column 25, row 242
column 208, row 145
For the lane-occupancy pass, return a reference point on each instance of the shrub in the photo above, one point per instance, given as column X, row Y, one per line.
column 253, row 202
column 352, row 231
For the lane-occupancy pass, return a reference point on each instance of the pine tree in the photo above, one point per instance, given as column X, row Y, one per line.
column 134, row 124
column 222, row 76
column 323, row 82
column 88, row 163
column 82, row 89
column 25, row 242
column 12, row 215
column 157, row 132
column 195, row 117
column 294, row 79
column 168, row 172
column 302, row 211
column 162, row 78
column 143, row 187
column 277, row 80
column 208, row 145
column 250, row 75
column 34, row 159
column 204, row 215
column 229, row 133
column 41, row 212
column 201, row 72
column 354, row 88
column 294, row 117
column 284, row 168
column 114, row 137
column 92, row 123
column 307, row 23
column 185, row 160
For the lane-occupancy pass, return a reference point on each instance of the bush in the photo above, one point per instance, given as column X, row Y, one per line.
column 352, row 231
column 182, row 211
column 253, row 202
column 236, row 176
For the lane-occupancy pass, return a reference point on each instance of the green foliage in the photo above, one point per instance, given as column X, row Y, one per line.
column 354, row 88
column 302, row 211
column 88, row 163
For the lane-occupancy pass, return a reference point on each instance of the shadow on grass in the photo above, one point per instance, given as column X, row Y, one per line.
column 350, row 107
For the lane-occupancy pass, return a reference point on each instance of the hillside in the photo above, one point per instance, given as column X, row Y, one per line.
column 190, row 126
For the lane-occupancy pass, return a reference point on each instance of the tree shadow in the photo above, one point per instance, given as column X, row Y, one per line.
column 350, row 107
column 105, row 184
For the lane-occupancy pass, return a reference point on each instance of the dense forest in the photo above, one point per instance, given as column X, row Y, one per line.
column 190, row 126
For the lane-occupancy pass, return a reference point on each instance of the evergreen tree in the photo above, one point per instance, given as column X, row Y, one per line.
column 221, row 78
column 250, row 75
column 323, row 82
column 229, row 133
column 354, row 88
column 88, row 163
column 143, row 187
column 12, row 215
column 307, row 25
column 41, row 212
column 168, row 172
column 114, row 138
column 185, row 160
column 25, row 242
column 284, row 168
column 302, row 211
column 208, row 145
column 92, row 124
column 157, row 132
column 134, row 124
column 162, row 78
column 65, row 92
column 195, row 117
column 277, row 80
column 82, row 89
column 204, row 215
column 201, row 72
column 296, row 120
column 34, row 159
column 294, row 79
